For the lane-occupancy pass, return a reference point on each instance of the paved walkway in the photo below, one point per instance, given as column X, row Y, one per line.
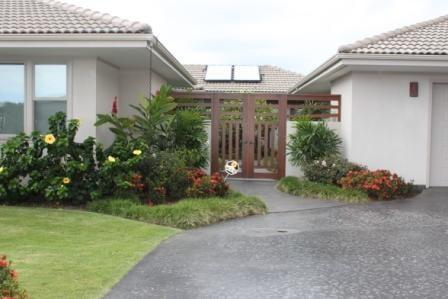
column 277, row 201
column 381, row 250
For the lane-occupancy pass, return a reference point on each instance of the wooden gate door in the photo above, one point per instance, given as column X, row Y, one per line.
column 252, row 131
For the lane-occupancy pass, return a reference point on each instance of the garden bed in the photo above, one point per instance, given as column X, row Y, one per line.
column 73, row 254
column 305, row 188
column 186, row 213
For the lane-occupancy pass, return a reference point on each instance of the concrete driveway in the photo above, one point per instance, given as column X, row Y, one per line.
column 322, row 250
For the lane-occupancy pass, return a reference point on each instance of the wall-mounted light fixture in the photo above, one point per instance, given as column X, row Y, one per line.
column 413, row 89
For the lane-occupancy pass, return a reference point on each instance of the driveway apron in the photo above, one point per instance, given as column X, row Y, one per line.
column 306, row 249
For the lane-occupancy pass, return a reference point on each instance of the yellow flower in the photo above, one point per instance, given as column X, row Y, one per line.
column 49, row 138
column 2, row 169
column 66, row 180
column 137, row 152
column 111, row 159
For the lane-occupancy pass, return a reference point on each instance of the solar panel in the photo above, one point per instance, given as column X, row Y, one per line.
column 218, row 73
column 246, row 73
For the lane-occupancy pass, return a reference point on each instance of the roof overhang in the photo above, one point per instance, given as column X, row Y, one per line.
column 122, row 50
column 319, row 80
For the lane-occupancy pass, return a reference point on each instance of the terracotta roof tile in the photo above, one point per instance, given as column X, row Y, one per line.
column 54, row 17
column 273, row 80
column 425, row 38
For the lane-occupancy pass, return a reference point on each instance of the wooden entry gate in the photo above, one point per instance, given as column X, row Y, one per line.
column 251, row 128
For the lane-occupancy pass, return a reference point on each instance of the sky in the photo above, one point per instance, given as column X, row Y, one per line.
column 294, row 34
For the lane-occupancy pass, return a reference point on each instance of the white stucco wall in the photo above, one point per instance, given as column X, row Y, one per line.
column 344, row 86
column 107, row 88
column 133, row 86
column 383, row 127
column 83, row 97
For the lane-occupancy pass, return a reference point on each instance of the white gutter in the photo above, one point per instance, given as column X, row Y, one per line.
column 163, row 54
column 343, row 59
column 106, row 40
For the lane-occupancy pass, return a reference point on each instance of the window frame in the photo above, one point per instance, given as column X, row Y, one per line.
column 35, row 99
column 29, row 86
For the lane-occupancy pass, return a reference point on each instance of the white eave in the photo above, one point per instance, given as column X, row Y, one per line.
column 88, row 44
column 320, row 79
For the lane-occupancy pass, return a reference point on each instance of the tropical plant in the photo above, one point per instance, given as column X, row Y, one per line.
column 150, row 123
column 189, row 138
column 312, row 141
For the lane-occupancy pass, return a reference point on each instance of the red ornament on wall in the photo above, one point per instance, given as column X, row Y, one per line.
column 413, row 89
column 115, row 106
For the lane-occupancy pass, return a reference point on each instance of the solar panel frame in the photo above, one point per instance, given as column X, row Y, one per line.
column 218, row 73
column 246, row 73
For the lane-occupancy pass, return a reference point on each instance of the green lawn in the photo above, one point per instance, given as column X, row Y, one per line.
column 301, row 187
column 185, row 214
column 73, row 254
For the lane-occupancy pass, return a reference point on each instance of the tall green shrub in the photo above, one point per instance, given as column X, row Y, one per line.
column 50, row 167
column 312, row 141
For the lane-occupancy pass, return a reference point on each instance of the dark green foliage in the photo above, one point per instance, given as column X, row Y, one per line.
column 312, row 141
column 189, row 138
column 35, row 169
column 329, row 170
column 307, row 189
column 165, row 177
column 161, row 127
column 185, row 214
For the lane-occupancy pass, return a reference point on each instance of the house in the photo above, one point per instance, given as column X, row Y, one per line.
column 60, row 57
column 266, row 79
column 394, row 98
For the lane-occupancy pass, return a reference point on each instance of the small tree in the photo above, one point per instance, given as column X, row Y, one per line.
column 312, row 141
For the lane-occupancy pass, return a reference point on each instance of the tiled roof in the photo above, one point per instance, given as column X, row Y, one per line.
column 54, row 17
column 425, row 38
column 273, row 80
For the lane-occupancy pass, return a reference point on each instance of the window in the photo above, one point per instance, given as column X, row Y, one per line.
column 50, row 93
column 12, row 98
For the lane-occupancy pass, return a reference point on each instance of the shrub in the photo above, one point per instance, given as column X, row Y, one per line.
column 299, row 187
column 165, row 177
column 117, row 169
column 203, row 185
column 312, row 141
column 185, row 214
column 52, row 167
column 188, row 136
column 329, row 170
column 378, row 184
column 9, row 284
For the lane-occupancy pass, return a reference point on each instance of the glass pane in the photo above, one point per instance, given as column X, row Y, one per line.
column 43, row 110
column 12, row 97
column 50, row 81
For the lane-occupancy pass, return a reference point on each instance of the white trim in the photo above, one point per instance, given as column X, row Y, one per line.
column 432, row 82
column 76, row 37
column 340, row 61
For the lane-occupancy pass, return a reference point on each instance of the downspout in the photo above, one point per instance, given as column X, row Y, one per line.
column 150, row 46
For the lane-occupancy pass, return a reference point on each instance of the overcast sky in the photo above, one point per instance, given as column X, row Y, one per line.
column 294, row 34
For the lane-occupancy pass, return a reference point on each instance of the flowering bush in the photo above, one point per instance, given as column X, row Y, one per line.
column 9, row 284
column 378, row 184
column 329, row 170
column 50, row 167
column 117, row 169
column 206, row 186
